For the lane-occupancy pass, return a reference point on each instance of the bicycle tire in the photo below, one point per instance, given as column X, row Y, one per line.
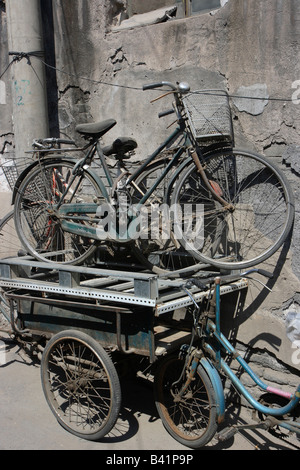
column 80, row 384
column 258, row 219
column 10, row 244
column 37, row 226
column 192, row 419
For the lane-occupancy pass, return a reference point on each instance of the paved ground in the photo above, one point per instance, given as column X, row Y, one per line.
column 27, row 422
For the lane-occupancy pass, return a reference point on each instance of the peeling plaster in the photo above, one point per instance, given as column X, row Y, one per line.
column 145, row 19
column 4, row 142
column 291, row 157
column 252, row 106
column 73, row 106
column 117, row 59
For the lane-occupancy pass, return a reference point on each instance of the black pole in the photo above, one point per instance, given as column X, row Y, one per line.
column 50, row 59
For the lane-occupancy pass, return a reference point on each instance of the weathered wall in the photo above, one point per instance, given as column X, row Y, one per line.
column 6, row 127
column 247, row 47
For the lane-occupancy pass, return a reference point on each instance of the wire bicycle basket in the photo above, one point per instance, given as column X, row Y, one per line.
column 209, row 115
column 12, row 169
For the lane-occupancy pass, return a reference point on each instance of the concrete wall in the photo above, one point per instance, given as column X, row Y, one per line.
column 249, row 47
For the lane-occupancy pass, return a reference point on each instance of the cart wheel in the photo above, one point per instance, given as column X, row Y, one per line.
column 192, row 418
column 80, row 384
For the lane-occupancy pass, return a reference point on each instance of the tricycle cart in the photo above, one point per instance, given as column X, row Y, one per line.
column 82, row 319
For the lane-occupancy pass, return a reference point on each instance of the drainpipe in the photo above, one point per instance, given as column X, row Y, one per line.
column 30, row 110
column 187, row 7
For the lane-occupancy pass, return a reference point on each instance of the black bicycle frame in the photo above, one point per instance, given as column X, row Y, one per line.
column 179, row 130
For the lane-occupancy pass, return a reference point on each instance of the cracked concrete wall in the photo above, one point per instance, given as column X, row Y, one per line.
column 247, row 46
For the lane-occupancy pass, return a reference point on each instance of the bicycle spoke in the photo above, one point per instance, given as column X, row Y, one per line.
column 189, row 418
column 258, row 215
column 78, row 385
column 37, row 220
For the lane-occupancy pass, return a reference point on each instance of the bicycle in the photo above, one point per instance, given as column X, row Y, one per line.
column 188, row 388
column 240, row 206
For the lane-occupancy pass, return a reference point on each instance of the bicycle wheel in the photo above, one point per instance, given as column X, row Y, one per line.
column 10, row 244
column 254, row 224
column 38, row 227
column 156, row 247
column 192, row 418
column 80, row 384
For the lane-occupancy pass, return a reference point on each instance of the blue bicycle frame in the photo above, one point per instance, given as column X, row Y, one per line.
column 294, row 399
column 216, row 364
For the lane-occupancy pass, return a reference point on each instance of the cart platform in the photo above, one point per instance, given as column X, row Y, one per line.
column 132, row 312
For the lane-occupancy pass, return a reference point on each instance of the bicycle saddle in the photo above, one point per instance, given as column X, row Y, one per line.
column 95, row 129
column 120, row 146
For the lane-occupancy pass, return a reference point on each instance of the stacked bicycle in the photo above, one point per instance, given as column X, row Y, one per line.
column 186, row 206
column 188, row 386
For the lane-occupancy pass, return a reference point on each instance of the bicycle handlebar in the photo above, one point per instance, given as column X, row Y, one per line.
column 263, row 272
column 181, row 87
column 166, row 113
column 151, row 86
column 201, row 284
column 42, row 143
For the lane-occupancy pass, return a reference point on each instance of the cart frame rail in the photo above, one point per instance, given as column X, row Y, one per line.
column 124, row 311
column 120, row 287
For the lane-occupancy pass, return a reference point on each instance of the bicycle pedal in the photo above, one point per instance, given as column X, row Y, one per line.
column 227, row 433
column 230, row 431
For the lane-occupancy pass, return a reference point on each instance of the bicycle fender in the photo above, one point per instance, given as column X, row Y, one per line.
column 99, row 183
column 27, row 170
column 20, row 178
column 217, row 386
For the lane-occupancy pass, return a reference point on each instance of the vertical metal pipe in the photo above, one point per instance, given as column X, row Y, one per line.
column 30, row 110
column 187, row 7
